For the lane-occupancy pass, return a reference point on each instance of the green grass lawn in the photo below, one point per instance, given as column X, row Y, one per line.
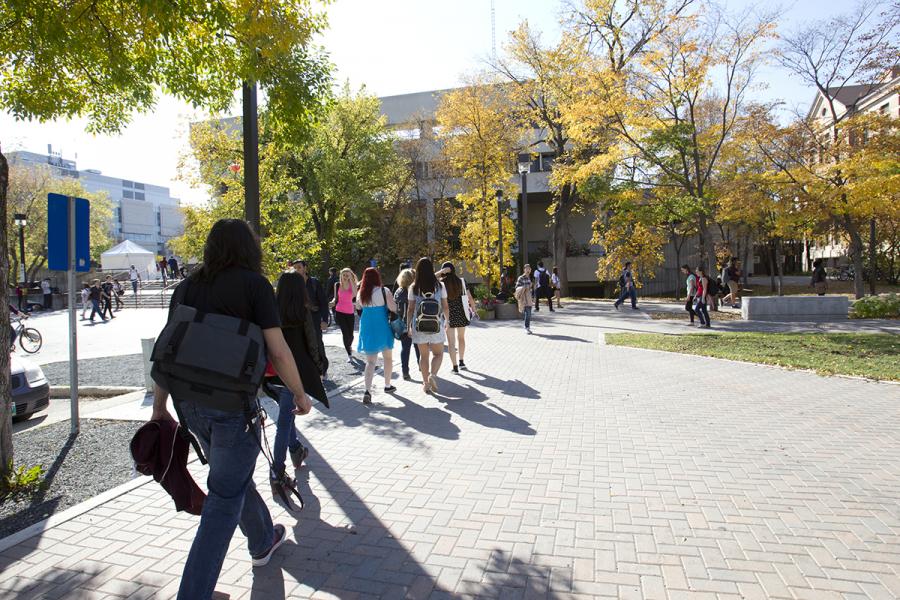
column 876, row 356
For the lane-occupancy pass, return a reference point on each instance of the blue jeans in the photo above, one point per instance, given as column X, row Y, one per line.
column 231, row 449
column 285, row 432
column 628, row 292
column 95, row 305
column 702, row 313
column 528, row 316
column 405, row 346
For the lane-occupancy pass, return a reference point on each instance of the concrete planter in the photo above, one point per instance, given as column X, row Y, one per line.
column 485, row 314
column 507, row 311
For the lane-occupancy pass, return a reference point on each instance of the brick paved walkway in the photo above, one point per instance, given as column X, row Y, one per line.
column 556, row 468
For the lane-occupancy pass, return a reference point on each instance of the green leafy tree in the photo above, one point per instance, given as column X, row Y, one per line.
column 104, row 60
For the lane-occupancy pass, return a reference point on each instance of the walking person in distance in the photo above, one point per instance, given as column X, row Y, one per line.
column 525, row 295
column 108, row 293
column 375, row 335
column 556, row 287
column 460, row 305
column 47, row 291
column 135, row 279
column 318, row 305
column 690, row 291
column 627, row 287
column 427, row 304
column 343, row 302
column 543, row 287
column 819, row 280
column 299, row 332
column 230, row 283
column 401, row 298
column 702, row 299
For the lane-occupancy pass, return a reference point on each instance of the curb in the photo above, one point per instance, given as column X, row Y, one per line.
column 95, row 391
column 104, row 497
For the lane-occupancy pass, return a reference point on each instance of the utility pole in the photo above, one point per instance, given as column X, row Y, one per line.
column 251, row 156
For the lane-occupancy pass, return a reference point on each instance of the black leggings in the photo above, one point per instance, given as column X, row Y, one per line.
column 689, row 306
column 346, row 322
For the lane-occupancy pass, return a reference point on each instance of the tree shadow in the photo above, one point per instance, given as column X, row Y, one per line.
column 359, row 556
column 469, row 403
column 509, row 387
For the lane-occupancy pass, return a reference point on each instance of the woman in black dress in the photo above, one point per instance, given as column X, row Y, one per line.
column 461, row 305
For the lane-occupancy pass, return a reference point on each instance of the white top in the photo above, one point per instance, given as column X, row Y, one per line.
column 377, row 299
column 133, row 274
column 45, row 287
column 554, row 280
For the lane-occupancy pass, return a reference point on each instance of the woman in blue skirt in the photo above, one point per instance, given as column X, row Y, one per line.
column 375, row 333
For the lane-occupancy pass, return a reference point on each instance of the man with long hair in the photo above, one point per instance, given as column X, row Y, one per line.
column 230, row 282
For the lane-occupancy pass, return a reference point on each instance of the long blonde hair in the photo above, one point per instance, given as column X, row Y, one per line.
column 354, row 282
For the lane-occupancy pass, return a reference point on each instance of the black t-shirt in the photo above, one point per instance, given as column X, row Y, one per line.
column 234, row 292
column 95, row 293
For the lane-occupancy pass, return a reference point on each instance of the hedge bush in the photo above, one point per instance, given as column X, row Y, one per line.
column 886, row 306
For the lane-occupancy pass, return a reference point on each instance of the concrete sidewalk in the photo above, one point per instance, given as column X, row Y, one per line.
column 557, row 467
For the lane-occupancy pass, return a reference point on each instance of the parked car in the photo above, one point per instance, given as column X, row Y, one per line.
column 29, row 386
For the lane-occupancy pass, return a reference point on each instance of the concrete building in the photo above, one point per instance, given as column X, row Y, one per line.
column 143, row 213
column 412, row 116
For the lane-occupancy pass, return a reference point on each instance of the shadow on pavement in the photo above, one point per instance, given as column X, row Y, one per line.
column 509, row 387
column 361, row 557
column 429, row 421
column 469, row 403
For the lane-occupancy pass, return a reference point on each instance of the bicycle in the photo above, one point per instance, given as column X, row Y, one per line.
column 30, row 339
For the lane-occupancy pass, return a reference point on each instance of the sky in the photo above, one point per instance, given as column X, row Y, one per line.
column 390, row 46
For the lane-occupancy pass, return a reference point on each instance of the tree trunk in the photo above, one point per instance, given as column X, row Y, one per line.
column 771, row 252
column 561, row 236
column 856, row 255
column 779, row 266
column 677, row 264
column 873, row 257
column 6, row 445
column 707, row 246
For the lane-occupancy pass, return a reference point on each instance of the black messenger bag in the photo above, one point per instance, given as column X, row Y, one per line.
column 214, row 360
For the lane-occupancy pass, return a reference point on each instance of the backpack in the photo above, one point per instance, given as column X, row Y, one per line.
column 714, row 287
column 544, row 279
column 427, row 318
column 622, row 282
column 185, row 363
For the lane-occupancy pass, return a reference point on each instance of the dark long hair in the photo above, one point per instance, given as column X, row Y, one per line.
column 230, row 243
column 291, row 298
column 371, row 279
column 452, row 282
column 426, row 282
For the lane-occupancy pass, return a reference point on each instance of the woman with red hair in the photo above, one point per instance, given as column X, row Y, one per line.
column 375, row 333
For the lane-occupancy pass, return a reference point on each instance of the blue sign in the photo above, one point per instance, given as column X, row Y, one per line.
column 58, row 233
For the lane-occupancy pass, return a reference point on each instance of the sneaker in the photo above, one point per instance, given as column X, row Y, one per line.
column 390, row 389
column 349, row 360
column 528, row 330
column 616, row 305
column 462, row 366
column 406, row 377
column 299, row 455
column 456, row 369
column 367, row 398
column 551, row 310
column 263, row 559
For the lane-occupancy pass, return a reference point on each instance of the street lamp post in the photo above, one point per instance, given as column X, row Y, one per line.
column 524, row 167
column 251, row 156
column 21, row 221
column 500, row 239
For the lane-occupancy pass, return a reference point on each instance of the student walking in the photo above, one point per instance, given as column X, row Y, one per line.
column 48, row 294
column 300, row 334
column 690, row 291
column 135, row 279
column 85, row 300
column 460, row 305
column 555, row 286
column 118, row 292
column 819, row 279
column 525, row 295
column 318, row 305
column 401, row 298
column 427, row 303
column 626, row 284
column 343, row 303
column 702, row 299
column 97, row 296
column 731, row 276
column 543, row 288
column 230, row 282
column 108, row 293
column 375, row 334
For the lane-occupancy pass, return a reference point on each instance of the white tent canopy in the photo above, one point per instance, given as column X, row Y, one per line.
column 122, row 256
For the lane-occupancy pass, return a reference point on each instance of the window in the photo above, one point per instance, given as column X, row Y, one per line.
column 138, row 186
column 884, row 108
column 127, row 184
column 824, row 112
column 127, row 194
column 139, row 195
